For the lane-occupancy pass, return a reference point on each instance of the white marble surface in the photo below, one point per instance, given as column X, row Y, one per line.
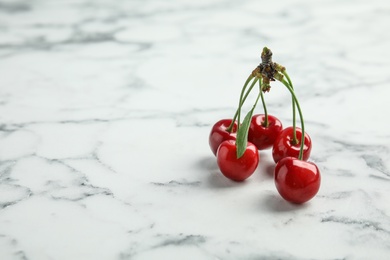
column 106, row 107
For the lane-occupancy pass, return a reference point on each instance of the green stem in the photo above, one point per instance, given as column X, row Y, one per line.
column 240, row 103
column 242, row 132
column 295, row 139
column 265, row 124
column 257, row 99
column 239, row 108
column 300, row 157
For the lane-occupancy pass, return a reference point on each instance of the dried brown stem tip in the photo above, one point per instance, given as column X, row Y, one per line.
column 268, row 69
column 256, row 72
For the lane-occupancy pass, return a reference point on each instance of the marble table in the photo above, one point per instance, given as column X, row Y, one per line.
column 106, row 107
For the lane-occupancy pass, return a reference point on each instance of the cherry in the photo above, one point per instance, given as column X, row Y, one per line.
column 262, row 135
column 297, row 181
column 237, row 169
column 285, row 147
column 220, row 133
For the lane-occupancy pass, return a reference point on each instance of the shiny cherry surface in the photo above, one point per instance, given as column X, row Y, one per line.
column 283, row 146
column 264, row 136
column 233, row 168
column 218, row 134
column 297, row 181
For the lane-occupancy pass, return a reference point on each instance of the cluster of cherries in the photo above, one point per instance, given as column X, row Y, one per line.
column 236, row 143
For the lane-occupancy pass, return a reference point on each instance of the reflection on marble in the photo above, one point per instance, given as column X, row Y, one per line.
column 105, row 110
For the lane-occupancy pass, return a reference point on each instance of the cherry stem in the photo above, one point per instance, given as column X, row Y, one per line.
column 295, row 139
column 265, row 124
column 258, row 96
column 242, row 100
column 242, row 131
column 294, row 97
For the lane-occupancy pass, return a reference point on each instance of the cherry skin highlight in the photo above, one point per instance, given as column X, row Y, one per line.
column 284, row 147
column 219, row 133
column 297, row 181
column 261, row 135
column 237, row 169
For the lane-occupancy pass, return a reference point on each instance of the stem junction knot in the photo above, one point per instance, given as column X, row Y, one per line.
column 268, row 69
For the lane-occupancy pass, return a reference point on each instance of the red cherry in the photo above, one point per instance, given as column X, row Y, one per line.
column 233, row 168
column 264, row 136
column 219, row 134
column 283, row 146
column 297, row 181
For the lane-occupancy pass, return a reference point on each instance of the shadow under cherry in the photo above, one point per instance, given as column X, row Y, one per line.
column 215, row 178
column 275, row 203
